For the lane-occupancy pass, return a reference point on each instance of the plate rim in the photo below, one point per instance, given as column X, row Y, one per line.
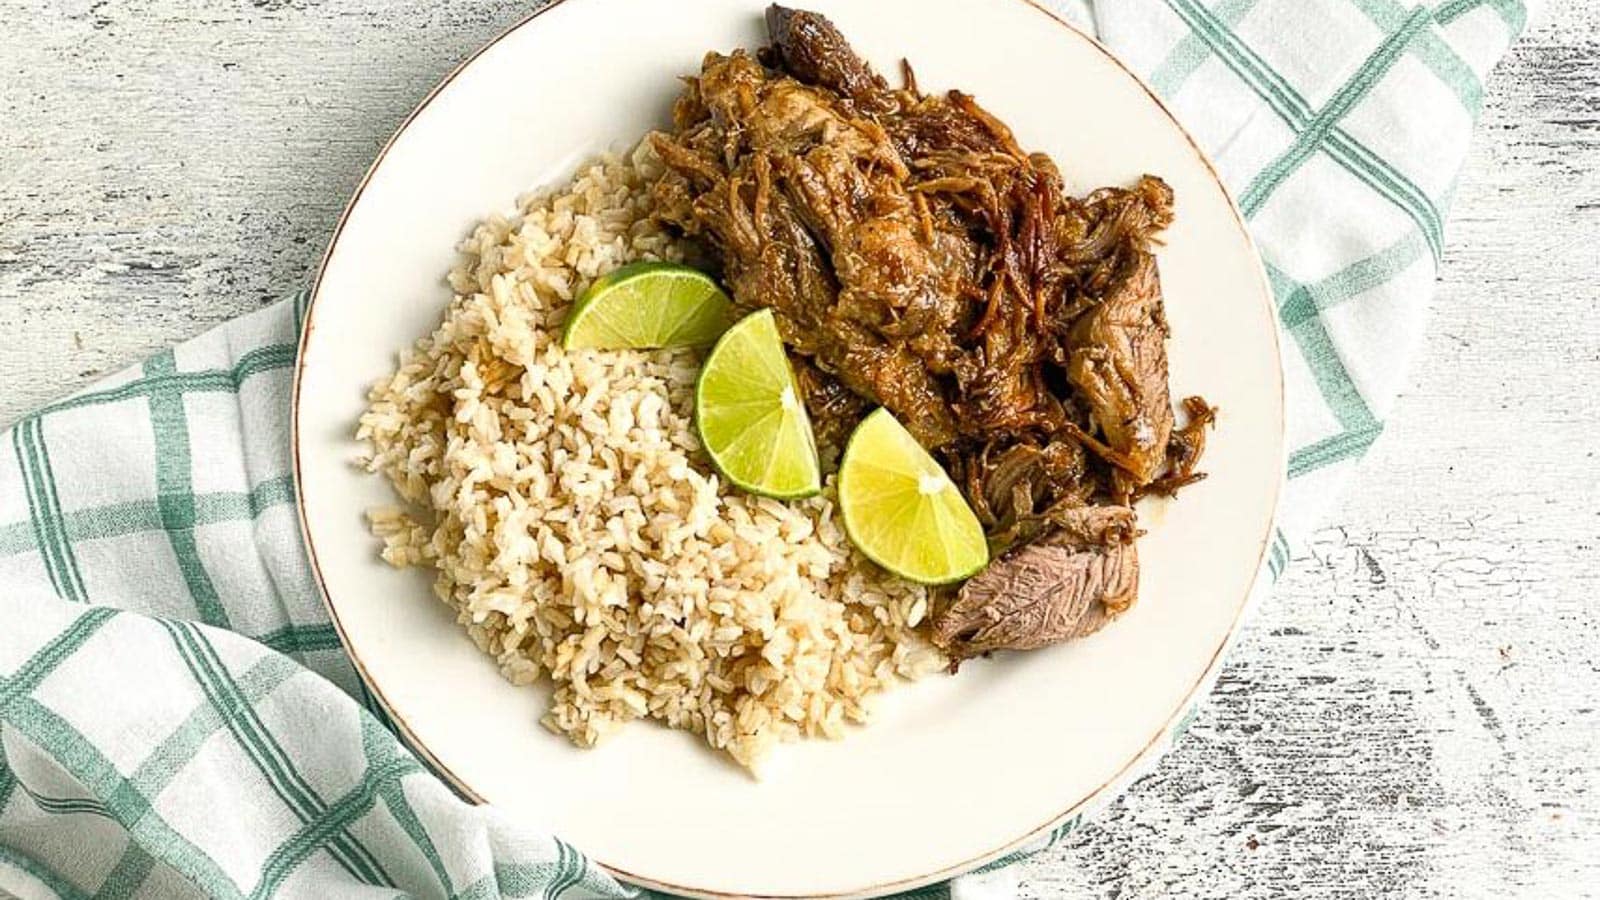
column 1108, row 789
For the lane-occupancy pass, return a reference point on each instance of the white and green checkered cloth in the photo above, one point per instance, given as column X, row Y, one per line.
column 176, row 716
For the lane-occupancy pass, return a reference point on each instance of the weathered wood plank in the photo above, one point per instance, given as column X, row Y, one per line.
column 1414, row 713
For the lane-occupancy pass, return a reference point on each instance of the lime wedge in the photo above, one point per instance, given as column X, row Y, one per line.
column 647, row 306
column 902, row 510
column 748, row 410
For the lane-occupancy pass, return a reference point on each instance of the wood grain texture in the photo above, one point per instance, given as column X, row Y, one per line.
column 1414, row 713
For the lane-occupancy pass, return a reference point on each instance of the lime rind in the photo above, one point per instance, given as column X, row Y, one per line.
column 759, row 442
column 931, row 538
column 648, row 306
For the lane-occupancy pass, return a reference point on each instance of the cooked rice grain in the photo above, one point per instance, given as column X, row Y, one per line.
column 579, row 531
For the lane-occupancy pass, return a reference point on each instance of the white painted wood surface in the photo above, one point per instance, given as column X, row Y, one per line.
column 1416, row 712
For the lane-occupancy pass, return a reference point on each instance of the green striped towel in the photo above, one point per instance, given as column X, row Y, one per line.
column 176, row 716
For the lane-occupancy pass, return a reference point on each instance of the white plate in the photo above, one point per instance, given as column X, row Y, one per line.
column 955, row 771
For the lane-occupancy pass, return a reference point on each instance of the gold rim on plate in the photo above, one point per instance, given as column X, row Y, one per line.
column 1105, row 791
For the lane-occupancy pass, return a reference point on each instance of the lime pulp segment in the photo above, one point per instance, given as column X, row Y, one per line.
column 750, row 415
column 648, row 306
column 902, row 510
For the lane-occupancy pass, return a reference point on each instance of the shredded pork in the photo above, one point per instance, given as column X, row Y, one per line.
column 918, row 258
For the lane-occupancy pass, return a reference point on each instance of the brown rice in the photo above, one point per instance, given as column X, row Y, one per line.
column 578, row 530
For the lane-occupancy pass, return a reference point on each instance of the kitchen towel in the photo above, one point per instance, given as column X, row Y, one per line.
column 177, row 718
